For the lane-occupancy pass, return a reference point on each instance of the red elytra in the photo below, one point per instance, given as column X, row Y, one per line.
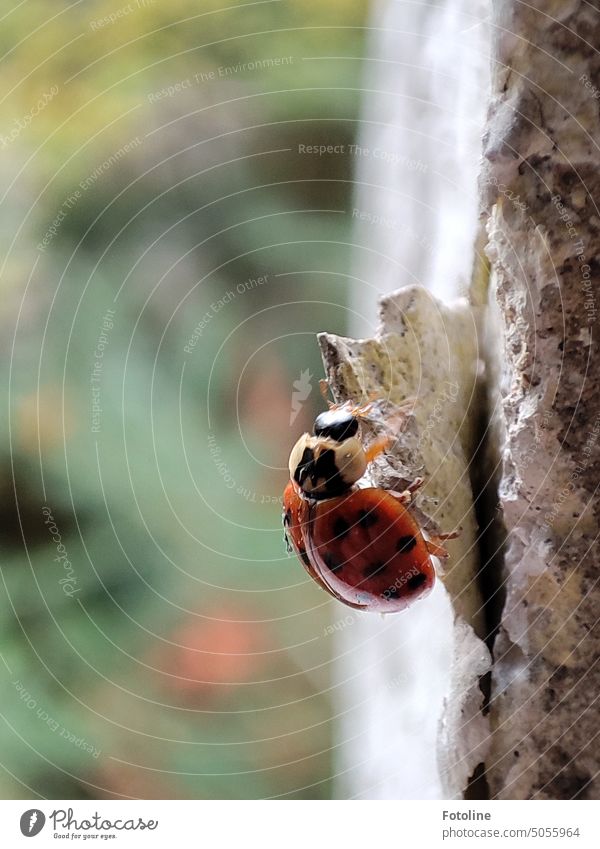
column 365, row 548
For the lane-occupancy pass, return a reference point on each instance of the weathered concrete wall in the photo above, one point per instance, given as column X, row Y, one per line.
column 541, row 187
column 539, row 194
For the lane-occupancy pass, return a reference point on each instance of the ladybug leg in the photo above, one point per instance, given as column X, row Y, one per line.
column 354, row 409
column 407, row 405
column 378, row 447
column 449, row 535
column 365, row 409
column 396, row 419
column 357, row 410
column 406, row 496
column 324, row 390
column 434, row 544
column 286, row 539
column 415, row 485
column 402, row 497
column 403, row 409
column 436, row 549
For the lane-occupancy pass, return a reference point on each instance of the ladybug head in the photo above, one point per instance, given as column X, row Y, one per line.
column 338, row 425
column 329, row 463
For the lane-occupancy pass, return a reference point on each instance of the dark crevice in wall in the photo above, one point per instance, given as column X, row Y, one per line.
column 485, row 470
column 485, row 473
column 478, row 787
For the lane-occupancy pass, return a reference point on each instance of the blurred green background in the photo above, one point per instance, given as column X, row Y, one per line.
column 157, row 641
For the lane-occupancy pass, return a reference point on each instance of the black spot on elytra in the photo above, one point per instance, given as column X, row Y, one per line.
column 367, row 518
column 374, row 569
column 340, row 528
column 332, row 562
column 405, row 544
column 392, row 592
column 416, row 581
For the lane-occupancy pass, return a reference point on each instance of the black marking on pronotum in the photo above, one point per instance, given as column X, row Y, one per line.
column 326, row 469
column 340, row 528
column 321, row 471
column 302, row 470
column 374, row 569
column 304, row 557
column 332, row 562
column 287, row 519
column 416, row 581
column 336, row 424
column 405, row 544
column 367, row 518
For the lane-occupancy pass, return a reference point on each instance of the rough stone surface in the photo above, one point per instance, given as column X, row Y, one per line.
column 541, row 185
column 427, row 351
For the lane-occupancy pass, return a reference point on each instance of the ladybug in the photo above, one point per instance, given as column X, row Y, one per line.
column 360, row 543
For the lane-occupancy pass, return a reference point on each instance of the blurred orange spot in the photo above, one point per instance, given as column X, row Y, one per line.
column 214, row 652
column 265, row 405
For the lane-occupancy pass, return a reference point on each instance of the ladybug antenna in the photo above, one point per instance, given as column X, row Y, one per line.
column 324, row 390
